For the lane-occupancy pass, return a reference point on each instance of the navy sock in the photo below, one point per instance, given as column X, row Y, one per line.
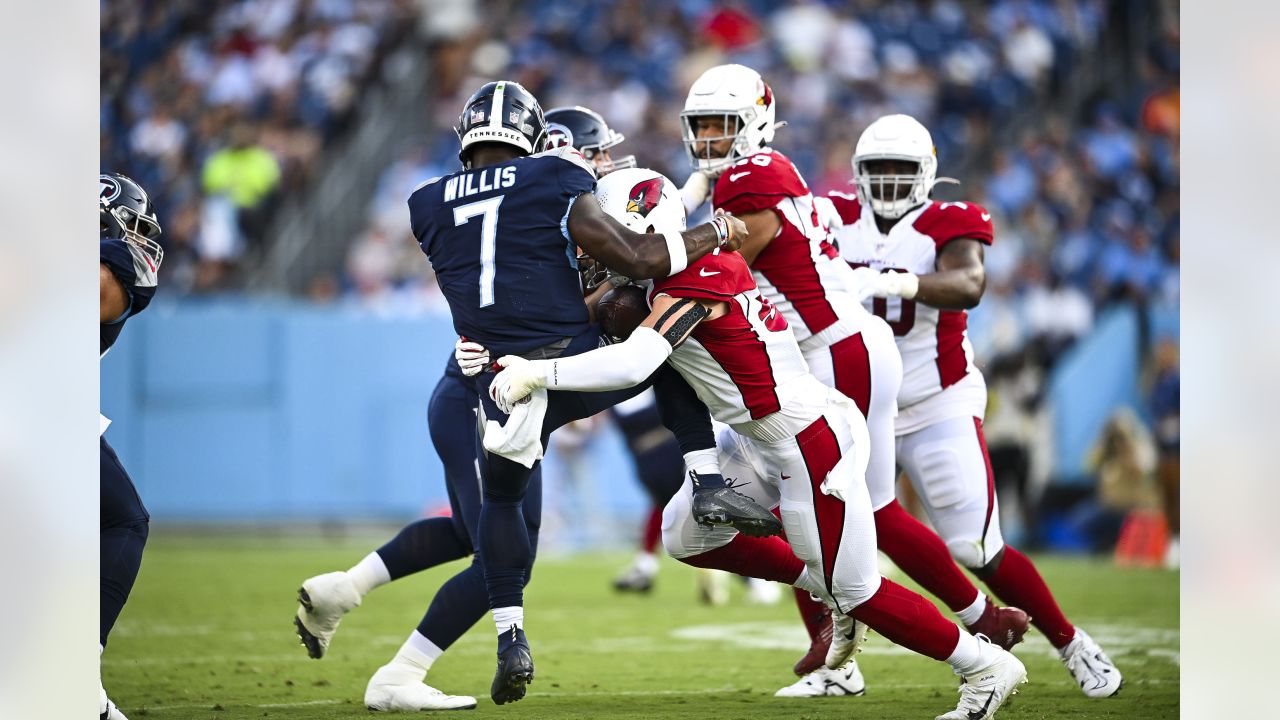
column 421, row 545
column 120, row 551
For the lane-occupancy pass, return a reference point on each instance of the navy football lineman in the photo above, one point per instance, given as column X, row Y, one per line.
column 501, row 236
column 503, row 260
column 130, row 257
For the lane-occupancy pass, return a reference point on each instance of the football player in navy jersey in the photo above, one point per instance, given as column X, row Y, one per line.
column 130, row 258
column 500, row 236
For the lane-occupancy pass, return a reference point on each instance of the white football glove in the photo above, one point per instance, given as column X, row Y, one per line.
column 518, row 378
column 695, row 190
column 903, row 284
column 472, row 357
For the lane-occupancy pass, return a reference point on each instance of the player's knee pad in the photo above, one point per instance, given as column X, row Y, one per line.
column 938, row 469
column 975, row 554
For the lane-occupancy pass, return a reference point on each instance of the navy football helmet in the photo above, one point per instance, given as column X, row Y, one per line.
column 125, row 213
column 587, row 131
column 501, row 112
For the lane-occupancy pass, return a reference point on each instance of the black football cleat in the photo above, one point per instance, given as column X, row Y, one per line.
column 515, row 670
column 726, row 506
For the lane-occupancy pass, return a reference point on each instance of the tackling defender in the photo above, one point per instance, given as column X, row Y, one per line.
column 129, row 260
column 740, row 356
column 923, row 261
column 728, row 123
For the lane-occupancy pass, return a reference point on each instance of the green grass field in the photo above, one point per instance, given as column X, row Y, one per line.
column 208, row 634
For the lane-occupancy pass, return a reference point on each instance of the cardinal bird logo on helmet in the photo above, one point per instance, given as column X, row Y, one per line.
column 644, row 196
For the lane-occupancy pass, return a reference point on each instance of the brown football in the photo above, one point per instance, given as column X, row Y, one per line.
column 621, row 311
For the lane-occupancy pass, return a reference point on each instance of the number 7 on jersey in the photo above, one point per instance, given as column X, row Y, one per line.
column 488, row 240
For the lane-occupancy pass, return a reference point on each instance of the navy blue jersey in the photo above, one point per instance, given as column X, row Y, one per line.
column 498, row 240
column 136, row 273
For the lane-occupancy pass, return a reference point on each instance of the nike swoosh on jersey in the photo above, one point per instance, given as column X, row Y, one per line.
column 734, row 177
column 703, row 272
column 986, row 217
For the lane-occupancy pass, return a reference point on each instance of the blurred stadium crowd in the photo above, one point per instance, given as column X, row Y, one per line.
column 222, row 108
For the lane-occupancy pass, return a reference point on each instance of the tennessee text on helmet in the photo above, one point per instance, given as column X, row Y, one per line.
column 501, row 112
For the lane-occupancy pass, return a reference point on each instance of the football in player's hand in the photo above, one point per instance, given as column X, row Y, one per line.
column 621, row 310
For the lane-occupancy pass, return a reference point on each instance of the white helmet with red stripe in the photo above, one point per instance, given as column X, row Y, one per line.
column 743, row 99
column 895, row 137
column 644, row 200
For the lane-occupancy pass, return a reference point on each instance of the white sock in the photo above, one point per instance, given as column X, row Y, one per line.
column 369, row 573
column 970, row 655
column 414, row 658
column 647, row 563
column 505, row 617
column 973, row 613
column 703, row 462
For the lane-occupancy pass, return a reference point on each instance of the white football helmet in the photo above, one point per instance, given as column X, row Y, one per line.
column 895, row 137
column 644, row 200
column 739, row 95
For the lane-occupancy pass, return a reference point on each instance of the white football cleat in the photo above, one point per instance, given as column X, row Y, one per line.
column 847, row 636
column 1092, row 669
column 107, row 710
column 825, row 682
column 323, row 600
column 390, row 689
column 984, row 691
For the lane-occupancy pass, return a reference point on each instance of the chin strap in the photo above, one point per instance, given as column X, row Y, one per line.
column 948, row 180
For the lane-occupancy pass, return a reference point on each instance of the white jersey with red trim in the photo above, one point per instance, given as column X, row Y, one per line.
column 799, row 271
column 934, row 344
column 745, row 366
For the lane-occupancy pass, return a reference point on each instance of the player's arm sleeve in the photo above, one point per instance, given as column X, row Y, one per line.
column 612, row 367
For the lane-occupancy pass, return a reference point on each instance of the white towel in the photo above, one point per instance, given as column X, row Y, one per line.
column 851, row 471
column 521, row 438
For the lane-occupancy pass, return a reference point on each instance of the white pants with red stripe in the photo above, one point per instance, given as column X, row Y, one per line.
column 866, row 367
column 836, row 539
column 951, row 472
